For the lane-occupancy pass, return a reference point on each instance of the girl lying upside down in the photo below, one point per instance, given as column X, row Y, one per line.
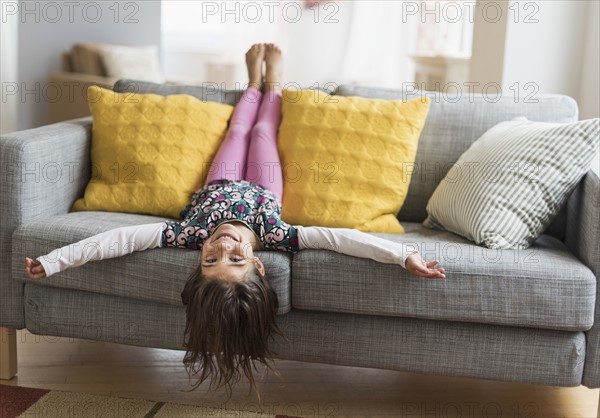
column 234, row 215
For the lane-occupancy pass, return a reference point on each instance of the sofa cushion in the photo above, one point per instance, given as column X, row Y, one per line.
column 543, row 286
column 347, row 157
column 129, row 61
column 150, row 153
column 453, row 124
column 506, row 189
column 156, row 275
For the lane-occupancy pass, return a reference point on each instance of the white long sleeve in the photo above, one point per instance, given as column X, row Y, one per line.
column 353, row 242
column 110, row 244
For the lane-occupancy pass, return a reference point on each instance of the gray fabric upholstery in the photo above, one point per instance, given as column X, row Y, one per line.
column 208, row 92
column 525, row 355
column 543, row 286
column 452, row 125
column 157, row 275
column 583, row 239
column 119, row 306
column 95, row 316
column 43, row 171
column 536, row 167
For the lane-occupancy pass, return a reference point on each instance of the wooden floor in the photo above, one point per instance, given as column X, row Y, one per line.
column 304, row 389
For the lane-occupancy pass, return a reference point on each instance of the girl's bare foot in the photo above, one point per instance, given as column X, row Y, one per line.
column 254, row 62
column 274, row 71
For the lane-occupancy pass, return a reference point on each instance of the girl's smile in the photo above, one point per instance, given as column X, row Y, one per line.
column 228, row 253
column 226, row 235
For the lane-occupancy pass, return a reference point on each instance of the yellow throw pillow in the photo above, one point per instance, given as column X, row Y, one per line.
column 347, row 160
column 150, row 152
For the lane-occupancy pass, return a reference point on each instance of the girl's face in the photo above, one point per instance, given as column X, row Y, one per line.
column 227, row 253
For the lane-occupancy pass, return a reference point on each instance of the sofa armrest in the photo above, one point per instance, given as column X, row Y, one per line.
column 583, row 239
column 583, row 220
column 43, row 171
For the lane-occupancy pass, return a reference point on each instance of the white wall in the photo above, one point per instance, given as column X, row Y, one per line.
column 549, row 52
column 46, row 29
column 487, row 54
column 8, row 73
column 589, row 93
column 540, row 47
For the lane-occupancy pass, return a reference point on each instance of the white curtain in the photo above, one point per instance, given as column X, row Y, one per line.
column 377, row 50
column 331, row 43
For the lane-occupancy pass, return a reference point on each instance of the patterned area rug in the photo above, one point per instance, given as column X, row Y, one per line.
column 22, row 402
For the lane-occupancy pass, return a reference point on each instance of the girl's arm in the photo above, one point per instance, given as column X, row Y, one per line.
column 360, row 244
column 110, row 244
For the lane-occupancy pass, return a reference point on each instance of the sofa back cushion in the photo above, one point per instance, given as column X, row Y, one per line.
column 208, row 92
column 453, row 124
column 132, row 61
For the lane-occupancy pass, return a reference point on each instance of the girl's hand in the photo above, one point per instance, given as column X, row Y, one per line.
column 34, row 269
column 416, row 265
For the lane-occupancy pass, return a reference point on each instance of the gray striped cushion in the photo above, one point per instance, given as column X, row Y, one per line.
column 510, row 184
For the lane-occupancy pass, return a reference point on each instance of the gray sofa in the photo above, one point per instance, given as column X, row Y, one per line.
column 512, row 315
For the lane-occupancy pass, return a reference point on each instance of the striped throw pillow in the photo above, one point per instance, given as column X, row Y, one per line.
column 505, row 190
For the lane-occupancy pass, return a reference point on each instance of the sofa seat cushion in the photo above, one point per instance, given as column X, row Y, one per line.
column 156, row 275
column 544, row 286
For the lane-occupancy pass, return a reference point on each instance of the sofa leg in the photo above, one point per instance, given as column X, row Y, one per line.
column 8, row 353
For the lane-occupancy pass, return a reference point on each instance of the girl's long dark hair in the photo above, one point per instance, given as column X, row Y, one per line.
column 228, row 327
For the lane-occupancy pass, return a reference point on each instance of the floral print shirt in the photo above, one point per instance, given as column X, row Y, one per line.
column 226, row 201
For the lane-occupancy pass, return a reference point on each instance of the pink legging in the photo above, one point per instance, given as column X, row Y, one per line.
column 249, row 150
